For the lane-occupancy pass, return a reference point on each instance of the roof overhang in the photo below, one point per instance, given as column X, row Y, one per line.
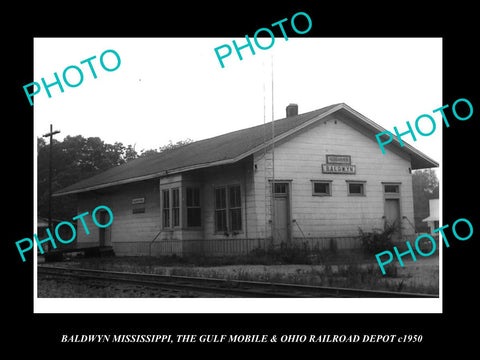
column 430, row 218
column 418, row 159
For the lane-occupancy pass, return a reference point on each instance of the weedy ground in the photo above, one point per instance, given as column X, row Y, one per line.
column 349, row 269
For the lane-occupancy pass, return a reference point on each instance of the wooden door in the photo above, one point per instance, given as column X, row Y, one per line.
column 392, row 217
column 281, row 224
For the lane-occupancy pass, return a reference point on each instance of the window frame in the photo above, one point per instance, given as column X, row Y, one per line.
column 234, row 207
column 391, row 195
column 229, row 209
column 175, row 208
column 166, row 209
column 276, row 183
column 188, row 207
column 357, row 182
column 222, row 209
column 327, row 182
column 391, row 192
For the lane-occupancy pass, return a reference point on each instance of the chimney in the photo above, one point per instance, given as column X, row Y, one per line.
column 292, row 110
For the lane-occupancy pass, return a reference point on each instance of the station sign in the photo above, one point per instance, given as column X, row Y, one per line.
column 338, row 164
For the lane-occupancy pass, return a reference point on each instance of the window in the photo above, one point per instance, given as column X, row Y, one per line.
column 221, row 209
column 175, row 207
column 391, row 188
column 194, row 213
column 356, row 188
column 321, row 188
column 235, row 208
column 166, row 208
column 279, row 188
column 228, row 201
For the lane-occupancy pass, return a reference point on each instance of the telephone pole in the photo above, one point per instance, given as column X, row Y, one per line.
column 50, row 175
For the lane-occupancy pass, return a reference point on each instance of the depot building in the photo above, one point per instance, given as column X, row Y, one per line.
column 311, row 179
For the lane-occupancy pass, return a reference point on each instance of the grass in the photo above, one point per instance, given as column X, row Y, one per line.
column 282, row 256
column 341, row 268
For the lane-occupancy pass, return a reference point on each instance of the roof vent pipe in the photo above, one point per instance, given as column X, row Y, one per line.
column 292, row 110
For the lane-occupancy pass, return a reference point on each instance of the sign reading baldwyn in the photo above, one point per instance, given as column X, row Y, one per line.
column 338, row 164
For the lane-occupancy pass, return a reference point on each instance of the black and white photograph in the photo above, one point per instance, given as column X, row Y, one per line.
column 175, row 177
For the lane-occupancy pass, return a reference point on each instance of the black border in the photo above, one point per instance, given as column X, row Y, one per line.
column 456, row 25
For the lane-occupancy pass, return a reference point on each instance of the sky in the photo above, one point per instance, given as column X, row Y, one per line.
column 171, row 89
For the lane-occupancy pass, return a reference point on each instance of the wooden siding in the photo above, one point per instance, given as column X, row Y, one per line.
column 300, row 158
column 320, row 221
column 126, row 226
column 237, row 174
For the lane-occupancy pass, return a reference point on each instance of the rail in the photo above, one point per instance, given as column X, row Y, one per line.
column 410, row 223
column 230, row 287
column 299, row 228
column 151, row 242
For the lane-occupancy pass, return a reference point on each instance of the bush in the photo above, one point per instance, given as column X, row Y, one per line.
column 375, row 241
column 284, row 254
column 390, row 270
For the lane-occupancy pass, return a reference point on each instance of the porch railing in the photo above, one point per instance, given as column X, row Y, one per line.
column 230, row 246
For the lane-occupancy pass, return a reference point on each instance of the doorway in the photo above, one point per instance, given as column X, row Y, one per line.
column 392, row 217
column 281, row 203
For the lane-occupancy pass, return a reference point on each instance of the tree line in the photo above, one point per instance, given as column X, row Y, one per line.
column 425, row 187
column 76, row 158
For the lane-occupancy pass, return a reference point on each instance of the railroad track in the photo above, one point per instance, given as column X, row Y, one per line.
column 224, row 287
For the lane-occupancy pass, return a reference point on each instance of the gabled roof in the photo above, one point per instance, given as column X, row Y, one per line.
column 229, row 148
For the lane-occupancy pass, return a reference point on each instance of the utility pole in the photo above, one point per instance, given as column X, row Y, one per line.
column 50, row 175
column 273, row 165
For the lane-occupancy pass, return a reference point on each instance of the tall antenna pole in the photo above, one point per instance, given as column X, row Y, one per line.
column 50, row 175
column 273, row 164
column 265, row 164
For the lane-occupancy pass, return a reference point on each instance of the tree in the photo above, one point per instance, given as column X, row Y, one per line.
column 169, row 146
column 178, row 144
column 77, row 158
column 130, row 153
column 425, row 187
column 73, row 159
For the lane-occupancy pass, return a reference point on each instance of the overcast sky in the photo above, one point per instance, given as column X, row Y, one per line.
column 174, row 88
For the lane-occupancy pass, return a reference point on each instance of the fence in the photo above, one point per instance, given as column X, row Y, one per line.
column 230, row 246
column 424, row 244
column 235, row 246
